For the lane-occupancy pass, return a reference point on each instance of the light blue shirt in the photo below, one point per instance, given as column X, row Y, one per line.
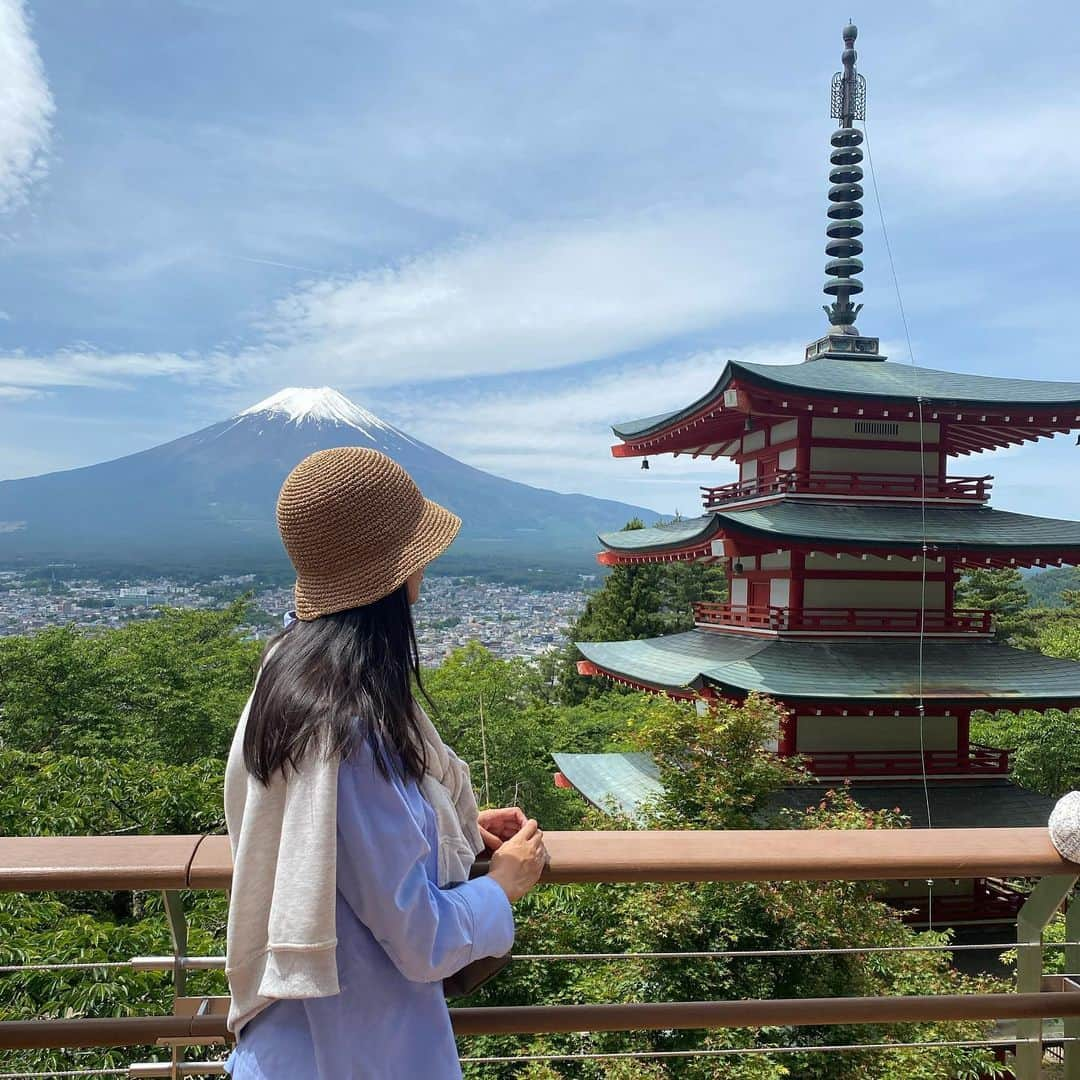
column 399, row 935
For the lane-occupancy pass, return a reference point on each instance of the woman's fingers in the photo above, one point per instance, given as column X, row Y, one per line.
column 528, row 830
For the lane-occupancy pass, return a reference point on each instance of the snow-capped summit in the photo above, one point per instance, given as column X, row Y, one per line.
column 322, row 404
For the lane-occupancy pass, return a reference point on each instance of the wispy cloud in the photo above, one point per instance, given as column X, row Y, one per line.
column 88, row 367
column 535, row 298
column 560, row 437
column 26, row 106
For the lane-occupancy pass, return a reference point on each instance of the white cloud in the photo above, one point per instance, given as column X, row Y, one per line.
column 560, row 438
column 535, row 298
column 26, row 106
column 991, row 153
column 18, row 393
column 89, row 367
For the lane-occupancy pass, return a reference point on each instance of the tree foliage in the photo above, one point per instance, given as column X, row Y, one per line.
column 638, row 601
column 165, row 689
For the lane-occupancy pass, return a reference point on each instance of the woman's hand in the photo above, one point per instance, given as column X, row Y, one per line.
column 520, row 861
column 499, row 825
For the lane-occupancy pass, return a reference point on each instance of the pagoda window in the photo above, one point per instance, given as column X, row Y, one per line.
column 779, row 592
column 789, row 459
column 881, row 431
column 748, row 469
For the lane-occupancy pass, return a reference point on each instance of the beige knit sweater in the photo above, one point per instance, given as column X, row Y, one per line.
column 282, row 937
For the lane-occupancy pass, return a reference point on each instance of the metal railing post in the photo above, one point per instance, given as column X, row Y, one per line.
column 1037, row 911
column 1072, row 967
column 174, row 909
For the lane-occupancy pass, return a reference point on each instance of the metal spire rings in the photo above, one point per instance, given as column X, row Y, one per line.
column 845, row 191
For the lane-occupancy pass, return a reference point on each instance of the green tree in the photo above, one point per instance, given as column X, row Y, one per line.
column 1001, row 592
column 164, row 689
column 638, row 601
column 717, row 775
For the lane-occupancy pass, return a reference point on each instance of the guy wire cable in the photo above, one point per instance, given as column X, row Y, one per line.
column 921, row 641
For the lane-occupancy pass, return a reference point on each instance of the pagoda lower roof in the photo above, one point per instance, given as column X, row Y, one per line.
column 626, row 781
column 630, row 782
column 961, row 804
column 981, row 673
column 871, row 380
column 855, row 526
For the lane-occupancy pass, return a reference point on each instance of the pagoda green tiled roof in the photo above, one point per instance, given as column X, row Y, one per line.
column 873, row 380
column 862, row 525
column 962, row 804
column 867, row 669
column 628, row 782
column 668, row 535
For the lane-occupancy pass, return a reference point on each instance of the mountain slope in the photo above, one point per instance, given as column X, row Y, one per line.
column 208, row 497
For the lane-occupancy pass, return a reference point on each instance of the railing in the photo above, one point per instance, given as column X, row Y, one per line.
column 845, row 620
column 192, row 862
column 865, row 484
column 977, row 761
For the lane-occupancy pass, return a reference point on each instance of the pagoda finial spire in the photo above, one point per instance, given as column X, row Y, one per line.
column 845, row 210
column 845, row 213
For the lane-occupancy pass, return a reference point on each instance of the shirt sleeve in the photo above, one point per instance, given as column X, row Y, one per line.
column 429, row 933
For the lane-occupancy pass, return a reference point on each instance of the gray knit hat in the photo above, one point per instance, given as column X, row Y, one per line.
column 356, row 527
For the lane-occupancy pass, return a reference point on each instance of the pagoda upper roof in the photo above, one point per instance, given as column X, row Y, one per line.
column 833, row 524
column 870, row 380
column 866, row 670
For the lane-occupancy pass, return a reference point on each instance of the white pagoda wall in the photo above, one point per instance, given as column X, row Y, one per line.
column 855, row 593
column 874, row 733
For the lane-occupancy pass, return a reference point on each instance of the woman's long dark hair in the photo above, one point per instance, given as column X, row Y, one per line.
column 328, row 684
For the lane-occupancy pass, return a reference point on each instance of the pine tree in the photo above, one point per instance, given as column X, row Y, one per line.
column 1001, row 592
column 638, row 601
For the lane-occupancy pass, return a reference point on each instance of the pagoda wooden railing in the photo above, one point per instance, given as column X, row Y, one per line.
column 975, row 762
column 864, row 484
column 844, row 620
column 175, row 863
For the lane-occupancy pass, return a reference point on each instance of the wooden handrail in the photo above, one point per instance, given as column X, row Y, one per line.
column 167, row 862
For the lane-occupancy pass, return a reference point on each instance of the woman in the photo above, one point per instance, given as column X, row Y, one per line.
column 352, row 826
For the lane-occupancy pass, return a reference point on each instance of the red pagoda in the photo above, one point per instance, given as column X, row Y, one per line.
column 843, row 538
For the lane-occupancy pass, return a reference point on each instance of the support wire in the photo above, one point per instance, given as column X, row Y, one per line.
column 921, row 642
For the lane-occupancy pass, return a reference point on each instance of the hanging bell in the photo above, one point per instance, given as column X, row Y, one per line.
column 645, row 463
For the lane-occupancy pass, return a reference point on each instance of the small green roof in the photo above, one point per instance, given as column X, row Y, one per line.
column 626, row 781
column 866, row 669
column 668, row 535
column 872, row 380
column 946, row 528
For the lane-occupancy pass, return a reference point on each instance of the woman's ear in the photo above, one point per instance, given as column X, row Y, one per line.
column 412, row 585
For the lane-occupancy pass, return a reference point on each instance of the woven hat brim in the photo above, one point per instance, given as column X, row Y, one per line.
column 357, row 586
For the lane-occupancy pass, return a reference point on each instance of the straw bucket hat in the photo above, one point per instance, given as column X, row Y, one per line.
column 356, row 526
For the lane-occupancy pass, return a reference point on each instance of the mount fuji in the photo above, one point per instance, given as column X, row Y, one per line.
column 207, row 499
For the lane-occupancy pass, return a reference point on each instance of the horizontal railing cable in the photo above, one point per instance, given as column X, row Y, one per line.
column 749, row 1051
column 216, row 963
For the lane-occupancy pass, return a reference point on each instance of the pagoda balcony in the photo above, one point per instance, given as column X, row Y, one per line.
column 843, row 620
column 975, row 762
column 864, row 485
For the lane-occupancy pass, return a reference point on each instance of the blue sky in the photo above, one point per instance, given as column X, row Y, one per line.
column 505, row 226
